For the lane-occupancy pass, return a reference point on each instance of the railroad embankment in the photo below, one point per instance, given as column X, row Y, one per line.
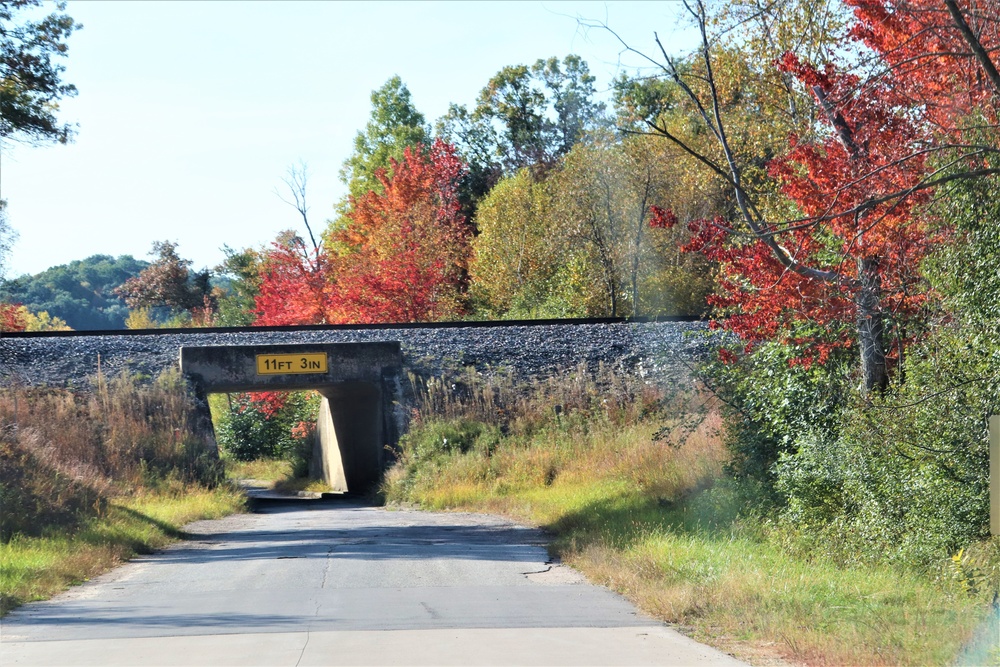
column 526, row 349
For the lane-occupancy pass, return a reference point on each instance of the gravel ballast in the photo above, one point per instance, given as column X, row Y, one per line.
column 528, row 350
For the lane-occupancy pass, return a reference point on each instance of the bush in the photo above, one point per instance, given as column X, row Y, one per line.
column 773, row 406
column 443, row 438
column 269, row 425
column 916, row 461
column 900, row 477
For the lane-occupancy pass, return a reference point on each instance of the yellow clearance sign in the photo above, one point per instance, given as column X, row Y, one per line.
column 281, row 364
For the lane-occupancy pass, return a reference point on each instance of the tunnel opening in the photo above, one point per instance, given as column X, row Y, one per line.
column 359, row 417
column 267, row 440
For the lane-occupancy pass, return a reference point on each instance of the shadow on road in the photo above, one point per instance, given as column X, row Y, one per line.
column 364, row 535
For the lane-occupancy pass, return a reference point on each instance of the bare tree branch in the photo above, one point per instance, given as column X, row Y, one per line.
column 296, row 180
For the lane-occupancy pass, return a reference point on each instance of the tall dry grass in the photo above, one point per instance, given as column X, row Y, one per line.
column 481, row 439
column 64, row 453
column 499, row 399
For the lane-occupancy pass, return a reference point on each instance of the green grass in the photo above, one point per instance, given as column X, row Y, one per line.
column 265, row 470
column 659, row 524
column 279, row 473
column 736, row 581
column 35, row 568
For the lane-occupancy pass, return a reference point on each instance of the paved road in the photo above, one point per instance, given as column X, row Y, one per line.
column 337, row 582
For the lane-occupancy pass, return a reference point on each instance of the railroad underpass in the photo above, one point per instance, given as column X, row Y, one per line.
column 360, row 417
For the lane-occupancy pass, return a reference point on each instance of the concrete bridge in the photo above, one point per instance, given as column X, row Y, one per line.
column 360, row 371
column 359, row 384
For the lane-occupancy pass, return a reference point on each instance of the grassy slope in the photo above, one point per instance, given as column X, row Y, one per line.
column 36, row 568
column 650, row 520
column 88, row 479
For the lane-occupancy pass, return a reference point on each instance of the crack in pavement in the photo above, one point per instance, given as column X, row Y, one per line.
column 303, row 652
column 326, row 569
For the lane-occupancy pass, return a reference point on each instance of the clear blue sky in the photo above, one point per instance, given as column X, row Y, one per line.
column 189, row 113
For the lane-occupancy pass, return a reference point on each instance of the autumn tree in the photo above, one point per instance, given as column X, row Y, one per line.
column 168, row 282
column 41, row 321
column 408, row 244
column 576, row 241
column 525, row 263
column 941, row 58
column 849, row 248
column 761, row 105
column 294, row 284
column 12, row 317
column 400, row 255
column 604, row 191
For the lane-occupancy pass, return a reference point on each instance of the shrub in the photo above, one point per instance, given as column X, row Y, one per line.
column 772, row 406
column 916, row 461
column 269, row 425
column 490, row 432
column 900, row 477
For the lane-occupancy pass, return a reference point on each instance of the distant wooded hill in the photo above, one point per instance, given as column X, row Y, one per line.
column 80, row 292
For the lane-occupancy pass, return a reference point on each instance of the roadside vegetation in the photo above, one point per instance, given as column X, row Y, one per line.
column 89, row 479
column 264, row 470
column 635, row 484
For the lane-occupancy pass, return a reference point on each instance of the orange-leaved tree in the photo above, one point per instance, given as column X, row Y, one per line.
column 400, row 257
column 12, row 317
column 406, row 247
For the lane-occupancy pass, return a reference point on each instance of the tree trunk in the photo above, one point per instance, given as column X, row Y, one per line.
column 637, row 246
column 871, row 327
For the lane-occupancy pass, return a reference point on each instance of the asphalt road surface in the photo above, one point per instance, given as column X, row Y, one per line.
column 334, row 581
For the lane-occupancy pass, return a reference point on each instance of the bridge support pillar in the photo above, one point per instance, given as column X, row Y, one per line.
column 327, row 464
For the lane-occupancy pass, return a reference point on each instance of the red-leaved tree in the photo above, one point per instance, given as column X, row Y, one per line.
column 940, row 55
column 852, row 256
column 295, row 286
column 400, row 258
column 408, row 244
